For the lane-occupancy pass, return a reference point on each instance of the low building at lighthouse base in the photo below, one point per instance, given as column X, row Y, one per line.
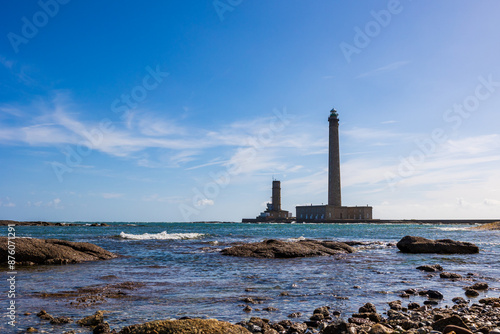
column 328, row 213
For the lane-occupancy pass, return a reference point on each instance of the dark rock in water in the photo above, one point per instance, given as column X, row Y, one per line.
column 61, row 320
column 92, row 320
column 102, row 329
column 431, row 302
column 430, row 268
column 288, row 249
column 368, row 308
column 456, row 330
column 479, row 286
column 44, row 315
column 450, row 275
column 459, row 300
column 395, row 305
column 413, row 306
column 490, row 301
column 471, row 293
column 453, row 320
column 433, row 294
column 205, row 326
column 270, row 309
column 247, row 309
column 295, row 315
column 411, row 244
column 324, row 310
column 54, row 251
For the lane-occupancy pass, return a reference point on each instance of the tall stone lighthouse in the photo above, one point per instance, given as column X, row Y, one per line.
column 334, row 197
column 333, row 211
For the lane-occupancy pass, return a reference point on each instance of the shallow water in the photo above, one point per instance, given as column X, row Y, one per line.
column 185, row 275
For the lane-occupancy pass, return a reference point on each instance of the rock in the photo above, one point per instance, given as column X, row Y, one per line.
column 337, row 327
column 298, row 327
column 368, row 308
column 453, row 320
column 456, row 329
column 487, row 227
column 411, row 244
column 395, row 305
column 471, row 293
column 489, row 301
column 431, row 302
column 379, row 329
column 205, row 326
column 450, row 275
column 60, row 320
column 360, row 321
column 295, row 315
column 288, row 249
column 433, row 294
column 495, row 331
column 54, row 251
column 413, row 306
column 92, row 320
column 31, row 330
column 247, row 309
column 44, row 315
column 375, row 317
column 459, row 300
column 323, row 310
column 271, row 309
column 102, row 328
column 479, row 286
column 410, row 291
column 430, row 268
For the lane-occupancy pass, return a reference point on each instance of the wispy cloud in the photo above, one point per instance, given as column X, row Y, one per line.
column 370, row 134
column 111, row 195
column 384, row 69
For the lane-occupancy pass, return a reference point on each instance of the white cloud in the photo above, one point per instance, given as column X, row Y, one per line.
column 204, row 202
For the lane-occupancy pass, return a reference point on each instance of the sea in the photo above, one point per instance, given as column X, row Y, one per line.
column 177, row 270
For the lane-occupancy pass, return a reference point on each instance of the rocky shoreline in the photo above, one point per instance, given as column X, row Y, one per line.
column 411, row 318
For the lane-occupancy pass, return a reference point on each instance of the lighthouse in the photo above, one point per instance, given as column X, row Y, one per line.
column 334, row 197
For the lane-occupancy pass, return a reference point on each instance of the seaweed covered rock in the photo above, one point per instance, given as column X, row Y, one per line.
column 186, row 326
column 288, row 249
column 53, row 251
column 411, row 244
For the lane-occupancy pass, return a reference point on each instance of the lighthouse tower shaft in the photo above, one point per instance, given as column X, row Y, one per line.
column 334, row 197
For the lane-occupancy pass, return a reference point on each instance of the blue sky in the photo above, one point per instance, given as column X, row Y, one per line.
column 186, row 110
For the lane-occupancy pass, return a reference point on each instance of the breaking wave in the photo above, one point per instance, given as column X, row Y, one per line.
column 161, row 236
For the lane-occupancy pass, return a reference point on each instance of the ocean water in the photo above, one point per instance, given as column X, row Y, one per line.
column 183, row 273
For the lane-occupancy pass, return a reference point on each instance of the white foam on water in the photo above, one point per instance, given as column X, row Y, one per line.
column 296, row 239
column 161, row 236
column 454, row 228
